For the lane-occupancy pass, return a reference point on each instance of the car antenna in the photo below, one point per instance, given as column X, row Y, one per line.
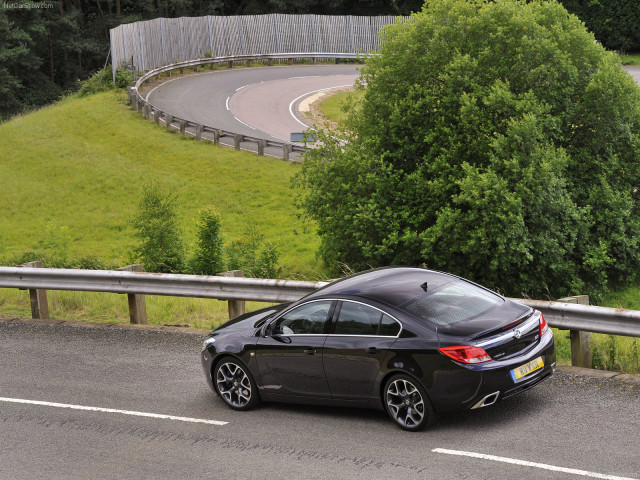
column 424, row 286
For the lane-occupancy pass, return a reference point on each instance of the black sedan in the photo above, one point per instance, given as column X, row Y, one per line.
column 410, row 341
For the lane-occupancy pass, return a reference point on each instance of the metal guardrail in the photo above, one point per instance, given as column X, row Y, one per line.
column 562, row 315
column 258, row 145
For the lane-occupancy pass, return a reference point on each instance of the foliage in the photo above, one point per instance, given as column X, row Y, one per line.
column 161, row 248
column 208, row 258
column 494, row 140
column 254, row 255
column 614, row 23
column 102, row 81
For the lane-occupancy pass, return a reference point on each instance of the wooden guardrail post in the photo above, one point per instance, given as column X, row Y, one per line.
column 183, row 127
column 168, row 120
column 581, row 355
column 236, row 307
column 156, row 116
column 261, row 144
column 237, row 140
column 137, row 301
column 199, row 130
column 39, row 301
column 286, row 150
column 216, row 136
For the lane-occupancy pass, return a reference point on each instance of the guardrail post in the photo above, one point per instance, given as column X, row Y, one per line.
column 168, row 121
column 141, row 104
column 236, row 307
column 270, row 62
column 581, row 355
column 183, row 126
column 137, row 301
column 216, row 136
column 39, row 301
column 261, row 144
column 230, row 63
column 237, row 140
column 147, row 111
column 198, row 132
column 156, row 117
column 286, row 150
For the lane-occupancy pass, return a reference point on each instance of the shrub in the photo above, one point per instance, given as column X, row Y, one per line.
column 254, row 255
column 208, row 258
column 161, row 248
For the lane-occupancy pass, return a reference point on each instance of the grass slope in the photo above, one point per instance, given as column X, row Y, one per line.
column 80, row 164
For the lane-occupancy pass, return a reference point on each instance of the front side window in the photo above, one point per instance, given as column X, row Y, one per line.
column 307, row 319
column 359, row 319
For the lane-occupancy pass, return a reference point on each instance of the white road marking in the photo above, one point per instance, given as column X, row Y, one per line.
column 524, row 463
column 310, row 93
column 112, row 410
column 240, row 88
column 227, row 103
column 245, row 124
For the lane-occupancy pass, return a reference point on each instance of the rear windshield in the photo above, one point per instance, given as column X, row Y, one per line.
column 452, row 303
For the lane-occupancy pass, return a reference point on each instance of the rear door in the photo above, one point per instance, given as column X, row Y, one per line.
column 356, row 348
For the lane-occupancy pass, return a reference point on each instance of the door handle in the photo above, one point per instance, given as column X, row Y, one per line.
column 310, row 351
column 372, row 350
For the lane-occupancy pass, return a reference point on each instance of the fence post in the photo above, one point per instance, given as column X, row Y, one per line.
column 261, row 144
column 198, row 132
column 237, row 140
column 183, row 127
column 581, row 355
column 286, row 150
column 216, row 136
column 168, row 121
column 137, row 301
column 156, row 117
column 39, row 302
column 236, row 307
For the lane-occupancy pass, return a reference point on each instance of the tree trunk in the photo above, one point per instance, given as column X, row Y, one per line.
column 51, row 70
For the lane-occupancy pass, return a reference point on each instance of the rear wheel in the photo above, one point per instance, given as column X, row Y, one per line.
column 407, row 403
column 235, row 384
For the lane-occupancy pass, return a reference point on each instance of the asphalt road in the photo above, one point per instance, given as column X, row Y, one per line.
column 257, row 102
column 569, row 422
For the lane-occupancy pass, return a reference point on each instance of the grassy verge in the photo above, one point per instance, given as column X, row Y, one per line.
column 76, row 168
column 630, row 59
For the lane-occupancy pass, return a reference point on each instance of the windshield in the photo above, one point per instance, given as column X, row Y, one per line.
column 452, row 303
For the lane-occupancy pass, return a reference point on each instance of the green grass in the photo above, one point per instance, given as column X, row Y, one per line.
column 331, row 107
column 630, row 59
column 80, row 164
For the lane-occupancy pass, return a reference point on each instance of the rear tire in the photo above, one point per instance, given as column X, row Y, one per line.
column 407, row 403
column 235, row 385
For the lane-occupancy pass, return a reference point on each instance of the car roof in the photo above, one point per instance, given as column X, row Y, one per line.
column 391, row 285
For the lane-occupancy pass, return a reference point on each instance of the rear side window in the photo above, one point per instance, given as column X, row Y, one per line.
column 452, row 303
column 359, row 319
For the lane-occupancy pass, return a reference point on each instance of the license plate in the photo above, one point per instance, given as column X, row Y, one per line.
column 527, row 368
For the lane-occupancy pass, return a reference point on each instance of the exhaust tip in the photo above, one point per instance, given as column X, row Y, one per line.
column 488, row 400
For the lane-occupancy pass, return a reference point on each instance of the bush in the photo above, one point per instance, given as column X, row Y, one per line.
column 102, row 81
column 254, row 255
column 494, row 140
column 208, row 258
column 161, row 248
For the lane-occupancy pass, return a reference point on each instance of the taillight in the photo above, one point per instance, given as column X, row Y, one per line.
column 544, row 328
column 466, row 354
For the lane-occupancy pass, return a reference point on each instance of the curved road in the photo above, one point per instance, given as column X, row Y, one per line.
column 257, row 102
column 119, row 402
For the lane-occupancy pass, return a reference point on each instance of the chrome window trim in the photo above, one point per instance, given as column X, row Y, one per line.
column 336, row 334
column 527, row 325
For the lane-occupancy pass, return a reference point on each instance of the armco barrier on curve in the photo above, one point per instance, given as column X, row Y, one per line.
column 286, row 151
column 574, row 317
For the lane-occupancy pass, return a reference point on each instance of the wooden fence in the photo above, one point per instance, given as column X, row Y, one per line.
column 163, row 41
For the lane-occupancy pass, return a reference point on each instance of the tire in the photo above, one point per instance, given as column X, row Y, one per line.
column 407, row 403
column 235, row 385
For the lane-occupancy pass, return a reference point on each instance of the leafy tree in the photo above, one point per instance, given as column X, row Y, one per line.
column 495, row 140
column 161, row 248
column 208, row 258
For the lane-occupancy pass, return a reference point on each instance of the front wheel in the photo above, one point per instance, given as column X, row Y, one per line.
column 407, row 403
column 235, row 384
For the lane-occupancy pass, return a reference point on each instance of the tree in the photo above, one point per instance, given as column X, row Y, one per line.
column 161, row 248
column 495, row 140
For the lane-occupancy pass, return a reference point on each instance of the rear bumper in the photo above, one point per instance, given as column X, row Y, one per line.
column 488, row 383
